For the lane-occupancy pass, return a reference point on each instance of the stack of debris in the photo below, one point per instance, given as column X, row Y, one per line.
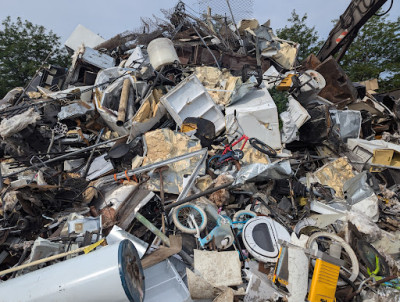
column 163, row 157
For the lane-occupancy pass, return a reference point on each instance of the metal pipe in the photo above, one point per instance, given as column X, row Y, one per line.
column 33, row 78
column 205, row 44
column 89, row 161
column 123, row 102
column 192, row 178
column 150, row 167
column 40, row 261
column 195, row 196
column 153, row 229
column 64, row 156
column 242, row 49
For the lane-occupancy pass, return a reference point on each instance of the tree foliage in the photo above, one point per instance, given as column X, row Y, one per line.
column 298, row 31
column 23, row 48
column 375, row 53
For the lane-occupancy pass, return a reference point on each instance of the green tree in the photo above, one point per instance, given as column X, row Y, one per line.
column 375, row 53
column 298, row 31
column 23, row 48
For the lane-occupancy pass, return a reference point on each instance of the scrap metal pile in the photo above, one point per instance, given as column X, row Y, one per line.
column 200, row 161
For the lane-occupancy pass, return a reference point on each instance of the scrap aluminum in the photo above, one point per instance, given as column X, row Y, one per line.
column 199, row 160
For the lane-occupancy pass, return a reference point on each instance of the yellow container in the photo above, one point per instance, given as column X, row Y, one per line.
column 324, row 282
column 285, row 84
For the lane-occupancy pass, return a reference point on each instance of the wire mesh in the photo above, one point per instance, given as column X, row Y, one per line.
column 241, row 9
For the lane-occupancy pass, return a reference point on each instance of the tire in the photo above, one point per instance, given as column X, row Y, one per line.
column 262, row 147
column 243, row 215
column 180, row 218
column 213, row 162
column 355, row 268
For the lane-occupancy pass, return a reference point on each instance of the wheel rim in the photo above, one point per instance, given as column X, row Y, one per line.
column 184, row 217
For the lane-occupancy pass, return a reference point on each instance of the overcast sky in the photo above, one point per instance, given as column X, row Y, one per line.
column 108, row 18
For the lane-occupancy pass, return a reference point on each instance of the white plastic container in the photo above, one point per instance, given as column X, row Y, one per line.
column 161, row 52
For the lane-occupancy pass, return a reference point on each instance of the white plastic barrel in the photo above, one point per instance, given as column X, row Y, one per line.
column 112, row 273
column 161, row 52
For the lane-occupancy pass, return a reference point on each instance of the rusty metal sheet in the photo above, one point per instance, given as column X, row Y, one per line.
column 339, row 89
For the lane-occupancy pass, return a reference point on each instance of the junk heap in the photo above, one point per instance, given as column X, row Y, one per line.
column 198, row 161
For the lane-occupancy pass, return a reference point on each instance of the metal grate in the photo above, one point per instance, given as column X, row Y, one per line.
column 241, row 9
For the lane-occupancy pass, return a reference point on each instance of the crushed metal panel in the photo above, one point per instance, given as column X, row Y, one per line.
column 292, row 119
column 43, row 248
column 115, row 195
column 105, row 93
column 256, row 116
column 262, row 172
column 218, row 268
column 298, row 280
column 190, row 99
column 17, row 123
column 149, row 113
column 287, row 54
column 226, row 296
column 236, row 62
column 98, row 59
column 335, row 174
column 260, row 288
column 311, row 82
column 126, row 213
column 99, row 167
column 163, row 283
column 320, row 221
column 137, row 58
column 369, row 207
column 356, row 189
column 80, row 35
column 376, row 152
column 74, row 110
column 297, row 112
column 339, row 89
column 346, row 123
column 84, row 92
column 361, row 197
column 369, row 104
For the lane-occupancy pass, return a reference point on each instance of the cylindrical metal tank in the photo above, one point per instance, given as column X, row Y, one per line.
column 161, row 52
column 112, row 273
